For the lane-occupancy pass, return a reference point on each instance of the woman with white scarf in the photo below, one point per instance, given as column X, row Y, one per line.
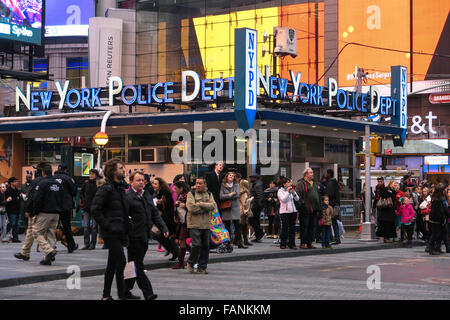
column 288, row 213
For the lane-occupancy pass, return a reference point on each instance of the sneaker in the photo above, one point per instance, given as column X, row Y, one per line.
column 21, row 256
column 202, row 271
column 152, row 297
column 277, row 241
column 189, row 268
column 85, row 248
column 336, row 242
column 91, row 248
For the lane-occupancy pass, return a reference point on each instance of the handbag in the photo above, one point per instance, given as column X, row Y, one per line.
column 181, row 212
column 225, row 205
column 321, row 221
column 385, row 203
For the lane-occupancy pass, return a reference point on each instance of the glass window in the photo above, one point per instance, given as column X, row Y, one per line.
column 76, row 68
column 150, row 140
column 134, row 155
column 306, row 146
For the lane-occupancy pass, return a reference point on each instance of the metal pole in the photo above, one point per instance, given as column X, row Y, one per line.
column 367, row 169
column 368, row 228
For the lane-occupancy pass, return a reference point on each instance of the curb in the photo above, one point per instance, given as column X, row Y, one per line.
column 100, row 270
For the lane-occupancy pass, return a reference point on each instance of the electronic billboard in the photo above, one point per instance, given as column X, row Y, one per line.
column 22, row 20
column 68, row 17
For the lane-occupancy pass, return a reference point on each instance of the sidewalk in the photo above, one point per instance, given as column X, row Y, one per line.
column 15, row 272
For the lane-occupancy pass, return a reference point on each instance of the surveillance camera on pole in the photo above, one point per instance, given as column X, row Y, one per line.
column 285, row 42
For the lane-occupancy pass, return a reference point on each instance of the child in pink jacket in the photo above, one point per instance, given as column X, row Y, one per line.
column 407, row 214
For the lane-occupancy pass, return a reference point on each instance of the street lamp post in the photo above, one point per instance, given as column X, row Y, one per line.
column 100, row 139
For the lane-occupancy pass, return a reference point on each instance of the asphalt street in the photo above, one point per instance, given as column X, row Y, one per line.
column 405, row 274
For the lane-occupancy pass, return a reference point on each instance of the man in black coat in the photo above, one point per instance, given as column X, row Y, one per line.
column 214, row 181
column 70, row 191
column 332, row 190
column 47, row 206
column 257, row 192
column 110, row 211
column 12, row 196
column 87, row 194
column 143, row 215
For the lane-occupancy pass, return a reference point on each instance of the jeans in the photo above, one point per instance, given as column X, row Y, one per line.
column 308, row 223
column 199, row 247
column 115, row 266
column 255, row 223
column 274, row 224
column 326, row 236
column 4, row 226
column 136, row 253
column 65, row 218
column 90, row 231
column 287, row 235
column 236, row 237
column 14, row 222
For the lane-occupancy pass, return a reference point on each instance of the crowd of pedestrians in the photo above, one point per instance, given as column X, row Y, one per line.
column 402, row 208
column 178, row 216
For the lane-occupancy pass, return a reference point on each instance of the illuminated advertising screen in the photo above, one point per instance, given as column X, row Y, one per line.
column 377, row 34
column 22, row 20
column 68, row 17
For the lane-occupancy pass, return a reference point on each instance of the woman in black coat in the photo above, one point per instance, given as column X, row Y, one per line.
column 271, row 210
column 386, row 216
column 166, row 206
column 438, row 216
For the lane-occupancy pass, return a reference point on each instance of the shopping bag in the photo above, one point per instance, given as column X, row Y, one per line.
column 130, row 271
column 341, row 227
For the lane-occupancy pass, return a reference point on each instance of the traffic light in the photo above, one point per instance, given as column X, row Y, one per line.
column 360, row 160
column 376, row 145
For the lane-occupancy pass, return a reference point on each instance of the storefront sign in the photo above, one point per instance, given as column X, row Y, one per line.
column 439, row 98
column 436, row 160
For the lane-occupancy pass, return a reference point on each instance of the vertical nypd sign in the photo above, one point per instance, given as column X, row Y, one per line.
column 245, row 77
column 399, row 92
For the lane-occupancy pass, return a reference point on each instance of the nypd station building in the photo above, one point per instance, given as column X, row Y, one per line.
column 143, row 86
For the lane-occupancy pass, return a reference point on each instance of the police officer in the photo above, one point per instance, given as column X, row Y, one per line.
column 24, row 254
column 70, row 191
column 47, row 206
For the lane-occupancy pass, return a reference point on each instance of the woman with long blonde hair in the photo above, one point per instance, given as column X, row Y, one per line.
column 245, row 200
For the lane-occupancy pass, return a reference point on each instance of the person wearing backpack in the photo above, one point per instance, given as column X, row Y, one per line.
column 200, row 202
